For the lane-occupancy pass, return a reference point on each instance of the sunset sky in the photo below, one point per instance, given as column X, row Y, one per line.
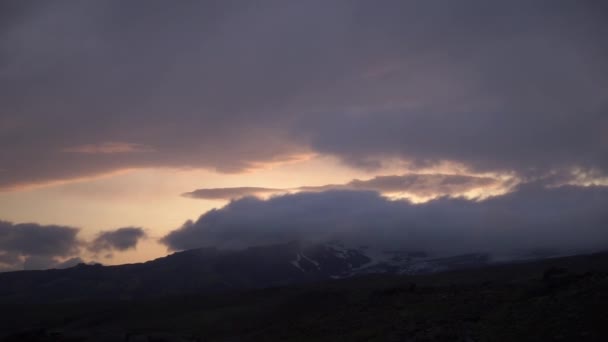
column 120, row 121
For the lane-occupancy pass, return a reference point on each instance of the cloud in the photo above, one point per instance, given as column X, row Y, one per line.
column 45, row 262
column 120, row 239
column 108, row 148
column 420, row 185
column 69, row 263
column 34, row 245
column 511, row 86
column 567, row 218
column 230, row 193
column 35, row 239
column 9, row 261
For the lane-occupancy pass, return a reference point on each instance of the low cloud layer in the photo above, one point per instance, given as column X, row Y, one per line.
column 567, row 218
column 419, row 185
column 120, row 239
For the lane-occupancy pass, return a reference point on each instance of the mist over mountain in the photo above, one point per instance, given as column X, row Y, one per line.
column 568, row 219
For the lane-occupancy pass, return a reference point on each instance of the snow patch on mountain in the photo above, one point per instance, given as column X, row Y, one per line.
column 296, row 262
column 310, row 260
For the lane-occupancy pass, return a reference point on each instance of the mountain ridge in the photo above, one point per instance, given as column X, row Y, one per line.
column 211, row 270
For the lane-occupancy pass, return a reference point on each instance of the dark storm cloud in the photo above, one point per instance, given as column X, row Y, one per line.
column 35, row 239
column 510, row 86
column 567, row 218
column 120, row 239
column 32, row 245
column 423, row 185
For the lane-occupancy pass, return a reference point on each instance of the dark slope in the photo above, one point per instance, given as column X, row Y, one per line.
column 194, row 271
column 564, row 299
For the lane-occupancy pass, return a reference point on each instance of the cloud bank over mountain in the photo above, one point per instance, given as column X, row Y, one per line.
column 533, row 217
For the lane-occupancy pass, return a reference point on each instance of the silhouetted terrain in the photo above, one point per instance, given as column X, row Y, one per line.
column 560, row 299
column 210, row 270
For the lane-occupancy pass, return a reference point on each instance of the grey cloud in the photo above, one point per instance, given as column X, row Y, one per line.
column 424, row 185
column 567, row 218
column 32, row 245
column 38, row 263
column 230, row 193
column 109, row 148
column 44, row 262
column 8, row 258
column 69, row 263
column 510, row 86
column 35, row 239
column 9, row 261
column 120, row 239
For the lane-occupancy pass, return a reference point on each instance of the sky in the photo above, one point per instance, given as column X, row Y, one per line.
column 132, row 129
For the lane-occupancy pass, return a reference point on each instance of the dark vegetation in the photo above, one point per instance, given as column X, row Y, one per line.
column 563, row 299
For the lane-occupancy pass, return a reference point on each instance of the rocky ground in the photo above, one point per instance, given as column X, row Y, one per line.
column 562, row 299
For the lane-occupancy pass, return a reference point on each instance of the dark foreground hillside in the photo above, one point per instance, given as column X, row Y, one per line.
column 563, row 299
